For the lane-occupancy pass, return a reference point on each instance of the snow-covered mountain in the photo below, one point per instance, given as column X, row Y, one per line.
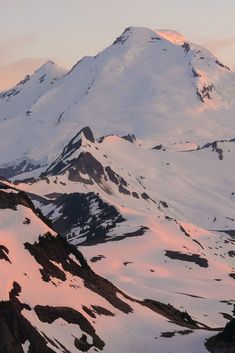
column 130, row 158
column 160, row 90
column 18, row 100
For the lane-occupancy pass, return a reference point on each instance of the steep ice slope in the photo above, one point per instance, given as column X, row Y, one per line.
column 142, row 84
column 52, row 301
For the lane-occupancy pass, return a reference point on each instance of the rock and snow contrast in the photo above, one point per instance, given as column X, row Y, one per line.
column 117, row 218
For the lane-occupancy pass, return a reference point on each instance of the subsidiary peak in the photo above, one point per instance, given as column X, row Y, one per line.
column 50, row 68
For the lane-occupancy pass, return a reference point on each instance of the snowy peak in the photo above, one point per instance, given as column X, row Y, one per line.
column 83, row 137
column 71, row 152
column 143, row 35
column 87, row 134
column 18, row 101
column 135, row 34
column 84, row 162
column 40, row 80
column 44, row 68
column 170, row 39
column 47, row 72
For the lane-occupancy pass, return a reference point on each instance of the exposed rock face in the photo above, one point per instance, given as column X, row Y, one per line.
column 16, row 330
column 118, row 180
column 12, row 200
column 123, row 37
column 83, row 218
column 182, row 318
column 50, row 314
column 130, row 137
column 52, row 253
column 82, row 344
column 4, row 253
column 215, row 147
column 65, row 159
column 82, row 166
column 205, row 92
column 197, row 259
column 86, row 164
column 224, row 342
column 222, row 65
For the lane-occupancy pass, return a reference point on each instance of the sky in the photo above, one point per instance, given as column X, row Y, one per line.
column 33, row 31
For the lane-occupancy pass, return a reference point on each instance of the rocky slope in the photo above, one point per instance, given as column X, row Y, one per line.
column 52, row 301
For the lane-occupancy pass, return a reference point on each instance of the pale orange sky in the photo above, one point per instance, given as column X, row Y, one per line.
column 64, row 31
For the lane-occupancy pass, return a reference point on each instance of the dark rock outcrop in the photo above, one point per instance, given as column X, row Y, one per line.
column 54, row 256
column 197, row 259
column 90, row 216
column 49, row 314
column 15, row 330
column 224, row 342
